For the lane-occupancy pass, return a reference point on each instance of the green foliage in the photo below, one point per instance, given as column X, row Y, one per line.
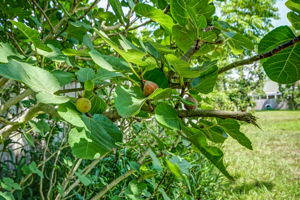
column 128, row 145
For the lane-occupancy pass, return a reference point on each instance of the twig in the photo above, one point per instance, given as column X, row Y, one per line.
column 45, row 15
column 118, row 180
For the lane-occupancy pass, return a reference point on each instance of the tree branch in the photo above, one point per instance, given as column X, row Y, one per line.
column 241, row 116
column 89, row 9
column 15, row 100
column 45, row 15
column 260, row 56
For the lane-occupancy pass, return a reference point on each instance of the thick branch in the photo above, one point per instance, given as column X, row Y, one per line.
column 260, row 56
column 15, row 100
column 241, row 116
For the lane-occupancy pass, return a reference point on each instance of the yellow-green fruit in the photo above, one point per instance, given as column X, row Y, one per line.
column 83, row 105
column 149, row 87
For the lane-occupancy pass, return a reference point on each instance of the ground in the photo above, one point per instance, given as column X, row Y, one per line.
column 272, row 170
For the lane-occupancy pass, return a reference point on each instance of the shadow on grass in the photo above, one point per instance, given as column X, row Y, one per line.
column 245, row 188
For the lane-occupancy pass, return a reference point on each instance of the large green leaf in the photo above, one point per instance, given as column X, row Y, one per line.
column 232, row 128
column 293, row 5
column 275, row 38
column 294, row 19
column 39, row 80
column 127, row 104
column 99, row 137
column 167, row 116
column 213, row 154
column 85, row 74
column 183, row 68
column 32, row 35
column 117, row 7
column 283, row 67
column 184, row 37
column 156, row 15
column 7, row 50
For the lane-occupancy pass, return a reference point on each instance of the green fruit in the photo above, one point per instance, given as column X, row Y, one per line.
column 83, row 105
column 89, row 85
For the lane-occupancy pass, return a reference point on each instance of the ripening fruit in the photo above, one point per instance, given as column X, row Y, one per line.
column 83, row 105
column 192, row 100
column 149, row 87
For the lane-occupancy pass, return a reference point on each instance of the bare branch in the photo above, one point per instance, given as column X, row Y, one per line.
column 241, row 116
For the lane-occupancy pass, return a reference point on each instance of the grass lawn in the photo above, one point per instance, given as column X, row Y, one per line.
column 272, row 169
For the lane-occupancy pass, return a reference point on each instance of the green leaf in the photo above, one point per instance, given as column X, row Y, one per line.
column 109, row 63
column 98, row 104
column 32, row 35
column 275, row 38
column 7, row 195
column 208, row 36
column 6, row 50
column 155, row 161
column 232, row 128
column 294, row 19
column 132, row 55
column 179, row 11
column 238, row 42
column 213, row 154
column 167, row 116
column 103, row 75
column 156, row 15
column 85, row 74
column 174, row 168
column 54, row 55
column 182, row 67
column 69, row 113
column 293, row 5
column 283, row 67
column 39, row 80
column 116, row 6
column 63, row 77
column 160, row 93
column 48, row 98
column 83, row 146
column 184, row 37
column 157, row 76
column 206, row 81
column 32, row 167
column 99, row 137
column 83, row 179
column 126, row 103
column 9, row 184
